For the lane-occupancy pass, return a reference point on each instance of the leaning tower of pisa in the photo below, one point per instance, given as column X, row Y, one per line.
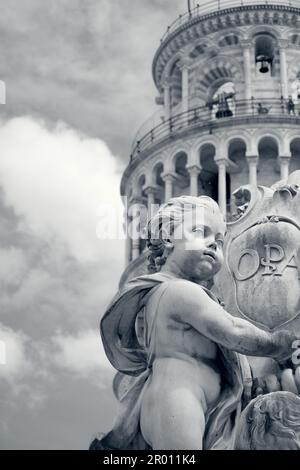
column 228, row 79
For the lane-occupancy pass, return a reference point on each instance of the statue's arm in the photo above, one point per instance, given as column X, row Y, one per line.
column 190, row 304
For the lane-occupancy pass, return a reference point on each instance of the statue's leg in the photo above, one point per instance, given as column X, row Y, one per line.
column 174, row 420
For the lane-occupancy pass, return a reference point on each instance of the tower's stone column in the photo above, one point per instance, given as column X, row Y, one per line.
column 184, row 66
column 151, row 192
column 194, row 171
column 169, row 179
column 128, row 246
column 167, row 98
column 126, row 222
column 222, row 163
column 136, row 214
column 284, row 166
column 247, row 47
column 283, row 44
column 252, row 161
column 135, row 249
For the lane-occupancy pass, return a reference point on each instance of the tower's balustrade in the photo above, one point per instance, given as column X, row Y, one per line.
column 213, row 7
column 228, row 81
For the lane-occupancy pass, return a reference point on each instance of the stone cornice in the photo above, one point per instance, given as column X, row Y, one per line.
column 285, row 158
column 246, row 44
column 283, row 43
column 194, row 169
column 201, row 26
column 197, row 130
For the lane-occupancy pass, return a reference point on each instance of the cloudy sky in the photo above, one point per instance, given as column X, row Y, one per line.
column 78, row 82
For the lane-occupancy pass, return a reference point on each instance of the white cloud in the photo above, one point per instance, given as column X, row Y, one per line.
column 61, row 60
column 83, row 355
column 57, row 179
column 87, row 62
column 15, row 363
column 55, row 275
column 12, row 266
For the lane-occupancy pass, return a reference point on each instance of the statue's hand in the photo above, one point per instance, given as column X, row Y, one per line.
column 266, row 384
column 287, row 380
column 284, row 342
column 290, row 381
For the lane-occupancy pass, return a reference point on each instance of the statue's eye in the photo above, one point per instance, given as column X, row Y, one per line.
column 199, row 231
column 220, row 242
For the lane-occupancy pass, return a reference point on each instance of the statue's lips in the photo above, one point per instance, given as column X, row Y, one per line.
column 210, row 254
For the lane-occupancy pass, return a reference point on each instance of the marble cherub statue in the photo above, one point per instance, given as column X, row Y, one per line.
column 181, row 357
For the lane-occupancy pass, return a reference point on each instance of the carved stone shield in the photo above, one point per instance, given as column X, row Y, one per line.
column 260, row 279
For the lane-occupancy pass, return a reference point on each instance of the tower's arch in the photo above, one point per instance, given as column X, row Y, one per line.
column 295, row 154
column 214, row 74
column 268, row 168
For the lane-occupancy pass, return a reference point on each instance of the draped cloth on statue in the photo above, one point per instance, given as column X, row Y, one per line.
column 129, row 357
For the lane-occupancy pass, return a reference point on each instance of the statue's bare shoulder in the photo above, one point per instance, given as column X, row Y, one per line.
column 181, row 297
column 178, row 302
column 185, row 302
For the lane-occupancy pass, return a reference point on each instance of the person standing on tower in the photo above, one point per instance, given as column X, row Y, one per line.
column 291, row 106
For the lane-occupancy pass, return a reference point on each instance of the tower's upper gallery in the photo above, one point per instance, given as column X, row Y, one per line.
column 211, row 16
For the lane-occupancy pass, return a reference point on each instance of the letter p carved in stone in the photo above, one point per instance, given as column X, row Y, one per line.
column 271, row 258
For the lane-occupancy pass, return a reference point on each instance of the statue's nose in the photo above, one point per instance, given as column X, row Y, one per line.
column 213, row 245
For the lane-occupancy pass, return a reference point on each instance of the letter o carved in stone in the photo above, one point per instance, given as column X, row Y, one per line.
column 254, row 265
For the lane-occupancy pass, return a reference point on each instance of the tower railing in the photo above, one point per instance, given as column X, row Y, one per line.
column 211, row 6
column 208, row 116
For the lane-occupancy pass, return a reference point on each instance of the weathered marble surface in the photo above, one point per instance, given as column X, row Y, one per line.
column 270, row 422
column 186, row 354
column 259, row 280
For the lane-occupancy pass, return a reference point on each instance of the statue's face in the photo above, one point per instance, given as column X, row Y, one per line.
column 198, row 244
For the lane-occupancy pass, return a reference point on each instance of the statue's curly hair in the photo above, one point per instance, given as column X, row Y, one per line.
column 267, row 419
column 162, row 225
